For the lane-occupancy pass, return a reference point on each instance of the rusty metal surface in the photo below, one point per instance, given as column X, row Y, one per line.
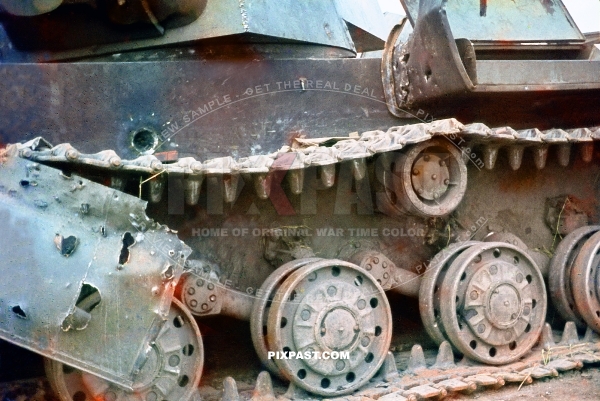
column 172, row 372
column 561, row 267
column 446, row 58
column 493, row 303
column 330, row 307
column 584, row 279
column 67, row 238
column 248, row 21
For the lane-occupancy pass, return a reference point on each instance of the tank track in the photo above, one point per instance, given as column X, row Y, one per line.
column 316, row 152
column 420, row 380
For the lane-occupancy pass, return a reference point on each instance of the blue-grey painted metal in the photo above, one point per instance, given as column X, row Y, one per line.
column 63, row 237
column 508, row 20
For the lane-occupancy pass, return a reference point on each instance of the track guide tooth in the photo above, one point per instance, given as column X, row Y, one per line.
column 445, row 356
column 587, row 151
column 540, row 155
column 570, row 336
column 117, row 183
column 359, row 169
column 388, row 371
column 263, row 391
column 262, row 185
column 328, row 175
column 230, row 182
column 417, row 359
column 490, row 155
column 156, row 189
column 296, row 180
column 547, row 337
column 590, row 336
column 515, row 156
column 230, row 391
column 564, row 154
column 192, row 187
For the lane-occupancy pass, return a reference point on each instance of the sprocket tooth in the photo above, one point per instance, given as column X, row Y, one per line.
column 230, row 391
column 359, row 169
column 590, row 336
column 564, row 154
column 490, row 155
column 157, row 185
column 264, row 388
column 296, row 180
column 231, row 184
column 547, row 337
column 417, row 359
column 328, row 175
column 587, row 151
column 570, row 335
column 540, row 155
column 445, row 356
column 262, row 185
column 192, row 187
column 515, row 157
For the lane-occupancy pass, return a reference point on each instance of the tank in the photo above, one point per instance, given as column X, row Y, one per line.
column 332, row 184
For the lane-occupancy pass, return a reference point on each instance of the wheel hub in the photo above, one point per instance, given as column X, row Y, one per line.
column 496, row 304
column 430, row 176
column 338, row 329
column 504, row 305
column 330, row 318
column 338, row 308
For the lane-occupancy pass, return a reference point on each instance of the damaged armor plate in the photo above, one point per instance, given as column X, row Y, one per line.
column 81, row 284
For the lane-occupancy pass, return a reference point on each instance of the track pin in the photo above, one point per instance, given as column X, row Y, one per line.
column 515, row 157
column 328, row 175
column 540, row 155
column 490, row 154
column 192, row 186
